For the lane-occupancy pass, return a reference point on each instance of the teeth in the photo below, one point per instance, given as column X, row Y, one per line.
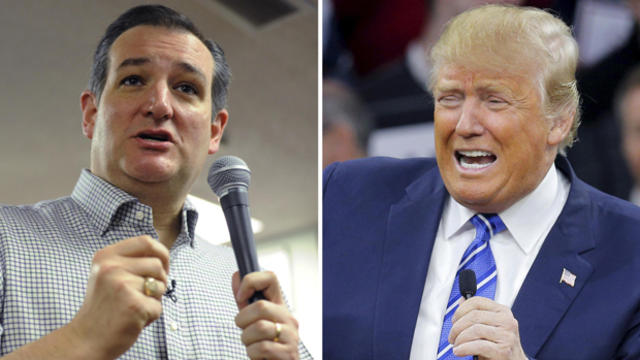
column 467, row 159
column 475, row 153
column 467, row 165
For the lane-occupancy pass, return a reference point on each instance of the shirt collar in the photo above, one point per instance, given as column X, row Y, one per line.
column 107, row 204
column 516, row 218
column 100, row 199
column 189, row 221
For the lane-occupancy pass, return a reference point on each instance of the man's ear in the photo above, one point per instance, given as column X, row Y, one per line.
column 89, row 106
column 560, row 128
column 217, row 128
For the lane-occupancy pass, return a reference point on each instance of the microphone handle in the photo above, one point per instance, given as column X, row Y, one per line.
column 236, row 212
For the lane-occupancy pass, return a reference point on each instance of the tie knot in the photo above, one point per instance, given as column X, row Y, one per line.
column 489, row 224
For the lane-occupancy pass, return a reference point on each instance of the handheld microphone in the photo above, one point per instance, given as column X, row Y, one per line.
column 468, row 287
column 229, row 179
column 467, row 283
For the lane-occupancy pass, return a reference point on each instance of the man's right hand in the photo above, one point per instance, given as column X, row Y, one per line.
column 115, row 308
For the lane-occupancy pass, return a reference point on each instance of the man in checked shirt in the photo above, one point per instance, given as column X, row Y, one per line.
column 83, row 277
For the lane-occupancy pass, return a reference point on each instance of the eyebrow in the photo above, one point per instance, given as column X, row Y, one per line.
column 193, row 70
column 144, row 60
column 134, row 62
column 484, row 86
column 447, row 86
column 496, row 88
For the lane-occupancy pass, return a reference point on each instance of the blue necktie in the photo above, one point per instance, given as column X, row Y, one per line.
column 477, row 257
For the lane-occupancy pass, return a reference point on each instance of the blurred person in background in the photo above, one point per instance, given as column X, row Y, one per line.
column 597, row 155
column 627, row 105
column 346, row 123
column 599, row 81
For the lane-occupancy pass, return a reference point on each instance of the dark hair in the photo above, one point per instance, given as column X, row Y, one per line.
column 158, row 15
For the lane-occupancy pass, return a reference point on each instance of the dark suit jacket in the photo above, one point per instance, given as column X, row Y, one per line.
column 380, row 219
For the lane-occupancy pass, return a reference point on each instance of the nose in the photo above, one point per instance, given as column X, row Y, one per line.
column 469, row 123
column 158, row 103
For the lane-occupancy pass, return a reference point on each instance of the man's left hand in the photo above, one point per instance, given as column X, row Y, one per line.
column 269, row 331
column 485, row 328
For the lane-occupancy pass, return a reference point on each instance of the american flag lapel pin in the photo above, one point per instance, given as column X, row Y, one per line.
column 568, row 277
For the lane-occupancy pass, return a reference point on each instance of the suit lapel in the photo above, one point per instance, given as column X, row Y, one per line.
column 411, row 230
column 543, row 299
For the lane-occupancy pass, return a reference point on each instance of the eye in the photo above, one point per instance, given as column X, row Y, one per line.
column 496, row 102
column 187, row 89
column 449, row 100
column 132, row 80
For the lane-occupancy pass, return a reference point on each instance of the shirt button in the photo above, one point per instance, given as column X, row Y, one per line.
column 139, row 215
column 173, row 326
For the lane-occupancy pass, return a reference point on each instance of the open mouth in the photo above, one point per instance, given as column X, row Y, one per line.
column 154, row 136
column 475, row 159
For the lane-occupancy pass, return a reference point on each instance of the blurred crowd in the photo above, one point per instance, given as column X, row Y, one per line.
column 376, row 71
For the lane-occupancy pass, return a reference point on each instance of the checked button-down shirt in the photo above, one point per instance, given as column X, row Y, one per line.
column 45, row 260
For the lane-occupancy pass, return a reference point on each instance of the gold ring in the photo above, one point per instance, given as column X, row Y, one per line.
column 150, row 286
column 278, row 331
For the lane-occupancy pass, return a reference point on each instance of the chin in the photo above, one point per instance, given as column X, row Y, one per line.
column 150, row 173
column 472, row 203
column 474, row 199
column 150, row 178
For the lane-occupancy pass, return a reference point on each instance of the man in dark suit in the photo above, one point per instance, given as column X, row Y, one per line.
column 556, row 261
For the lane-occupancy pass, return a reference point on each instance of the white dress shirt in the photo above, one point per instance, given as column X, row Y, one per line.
column 528, row 222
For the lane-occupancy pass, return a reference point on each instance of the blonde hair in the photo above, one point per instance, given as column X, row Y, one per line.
column 516, row 40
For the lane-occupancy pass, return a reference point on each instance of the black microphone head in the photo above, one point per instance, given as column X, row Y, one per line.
column 467, row 283
column 227, row 173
